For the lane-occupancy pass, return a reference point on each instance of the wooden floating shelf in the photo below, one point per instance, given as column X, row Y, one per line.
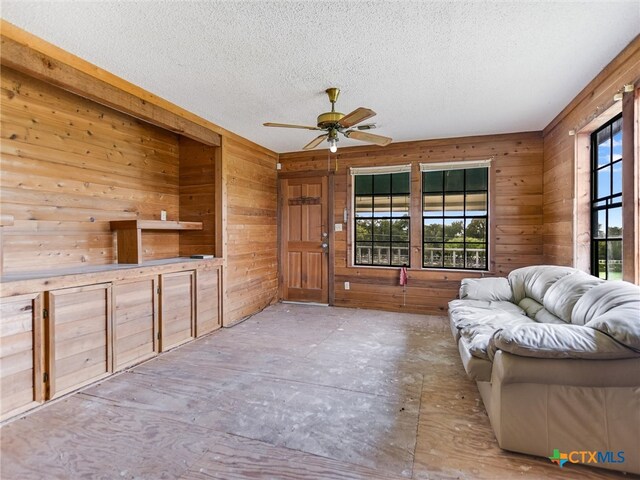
column 154, row 225
column 129, row 234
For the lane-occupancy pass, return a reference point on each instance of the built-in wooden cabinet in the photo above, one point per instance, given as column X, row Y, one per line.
column 78, row 328
column 177, row 309
column 21, row 354
column 135, row 321
column 81, row 327
column 208, row 302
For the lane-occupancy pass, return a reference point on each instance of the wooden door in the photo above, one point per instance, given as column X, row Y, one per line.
column 135, row 321
column 304, row 231
column 21, row 355
column 177, row 309
column 78, row 334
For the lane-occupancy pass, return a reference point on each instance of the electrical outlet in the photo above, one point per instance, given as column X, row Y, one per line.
column 278, row 166
column 347, row 286
column 337, row 227
column 163, row 215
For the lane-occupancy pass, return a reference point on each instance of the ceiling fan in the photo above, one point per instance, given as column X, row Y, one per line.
column 334, row 123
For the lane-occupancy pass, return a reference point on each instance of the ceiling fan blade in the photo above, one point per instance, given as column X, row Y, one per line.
column 288, row 125
column 368, row 137
column 366, row 126
column 357, row 116
column 315, row 142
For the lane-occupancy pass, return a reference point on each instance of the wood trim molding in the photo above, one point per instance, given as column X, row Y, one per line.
column 347, row 152
column 47, row 68
column 631, row 186
column 32, row 55
column 330, row 216
column 582, row 201
column 415, row 220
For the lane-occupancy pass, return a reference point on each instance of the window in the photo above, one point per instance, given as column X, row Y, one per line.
column 381, row 217
column 606, row 200
column 455, row 206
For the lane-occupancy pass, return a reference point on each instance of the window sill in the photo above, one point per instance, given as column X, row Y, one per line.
column 481, row 273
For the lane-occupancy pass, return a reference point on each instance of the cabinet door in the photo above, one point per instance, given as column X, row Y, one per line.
column 135, row 321
column 177, row 309
column 208, row 304
column 21, row 354
column 79, row 330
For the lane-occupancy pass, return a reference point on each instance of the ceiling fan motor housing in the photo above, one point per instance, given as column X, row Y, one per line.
column 329, row 119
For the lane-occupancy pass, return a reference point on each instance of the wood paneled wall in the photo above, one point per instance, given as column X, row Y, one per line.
column 198, row 196
column 516, row 217
column 560, row 150
column 250, row 237
column 68, row 166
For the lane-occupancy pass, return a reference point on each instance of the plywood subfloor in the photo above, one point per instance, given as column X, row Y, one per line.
column 294, row 392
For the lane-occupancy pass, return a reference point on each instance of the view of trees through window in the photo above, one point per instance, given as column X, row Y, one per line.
column 455, row 215
column 455, row 218
column 382, row 219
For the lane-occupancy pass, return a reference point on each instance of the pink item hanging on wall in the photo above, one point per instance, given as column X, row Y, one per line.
column 403, row 276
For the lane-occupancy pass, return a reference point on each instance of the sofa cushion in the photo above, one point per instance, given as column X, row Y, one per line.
column 530, row 306
column 478, row 336
column 545, row 316
column 463, row 313
column 490, row 289
column 621, row 323
column 604, row 298
column 537, row 311
column 557, row 341
column 477, row 339
column 562, row 296
column 533, row 282
column 477, row 369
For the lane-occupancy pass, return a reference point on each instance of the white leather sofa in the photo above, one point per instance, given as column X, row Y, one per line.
column 555, row 353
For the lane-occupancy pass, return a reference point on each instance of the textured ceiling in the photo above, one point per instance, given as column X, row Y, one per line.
column 430, row 69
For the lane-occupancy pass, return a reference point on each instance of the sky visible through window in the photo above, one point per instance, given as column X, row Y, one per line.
column 607, row 186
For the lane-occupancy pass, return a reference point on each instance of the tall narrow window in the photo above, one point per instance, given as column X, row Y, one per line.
column 381, row 218
column 606, row 200
column 455, row 202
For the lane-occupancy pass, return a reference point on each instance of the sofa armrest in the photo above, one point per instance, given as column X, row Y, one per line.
column 544, row 340
column 514, row 369
column 489, row 289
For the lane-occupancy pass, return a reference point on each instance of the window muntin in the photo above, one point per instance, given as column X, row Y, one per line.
column 606, row 200
column 382, row 220
column 455, row 206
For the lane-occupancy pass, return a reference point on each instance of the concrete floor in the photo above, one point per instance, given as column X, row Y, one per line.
column 294, row 392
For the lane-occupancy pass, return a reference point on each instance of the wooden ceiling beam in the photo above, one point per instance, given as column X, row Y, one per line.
column 46, row 68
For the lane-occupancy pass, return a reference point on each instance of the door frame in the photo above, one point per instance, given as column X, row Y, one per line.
column 330, row 228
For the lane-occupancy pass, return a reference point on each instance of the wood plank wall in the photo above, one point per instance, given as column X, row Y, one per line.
column 560, row 153
column 250, row 236
column 69, row 166
column 517, row 215
column 198, row 196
